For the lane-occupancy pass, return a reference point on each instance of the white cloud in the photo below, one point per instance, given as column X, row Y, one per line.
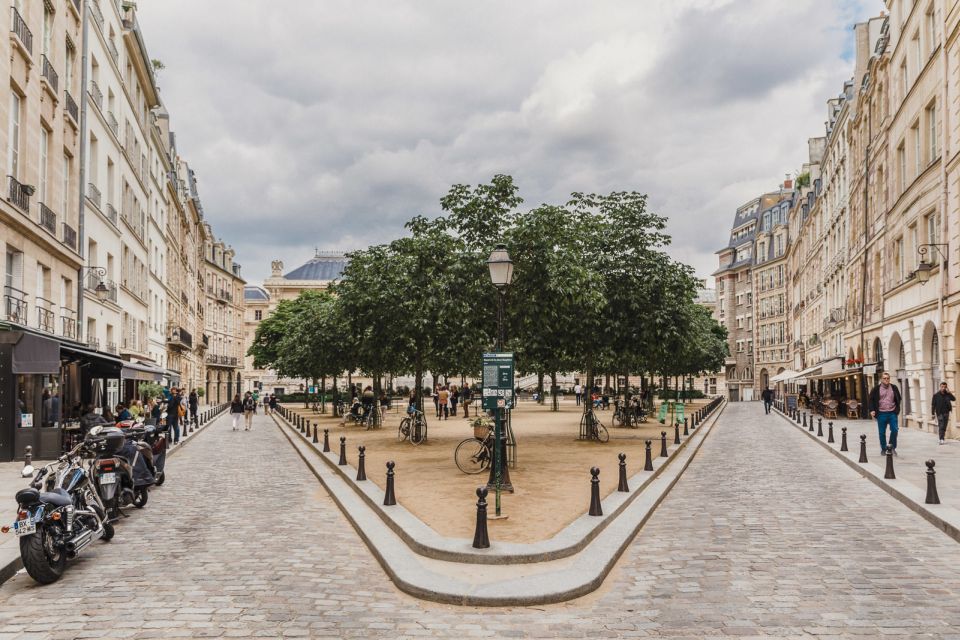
column 328, row 124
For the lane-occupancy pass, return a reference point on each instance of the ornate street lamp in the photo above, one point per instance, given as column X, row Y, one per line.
column 101, row 290
column 925, row 267
column 501, row 275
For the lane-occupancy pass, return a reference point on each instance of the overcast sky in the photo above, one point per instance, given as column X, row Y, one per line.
column 329, row 123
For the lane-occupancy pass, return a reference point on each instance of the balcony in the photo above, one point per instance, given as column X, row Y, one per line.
column 14, row 305
column 93, row 195
column 221, row 361
column 72, row 109
column 23, row 33
column 178, row 337
column 113, row 52
column 48, row 219
column 93, row 343
column 111, row 214
column 69, row 236
column 224, row 296
column 112, row 348
column 45, row 315
column 97, row 14
column 20, row 194
column 112, row 122
column 48, row 73
column 96, row 94
column 69, row 328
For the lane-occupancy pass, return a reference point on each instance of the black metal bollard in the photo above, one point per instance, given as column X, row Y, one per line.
column 315, row 439
column 389, row 498
column 863, row 449
column 481, row 539
column 888, row 472
column 843, row 439
column 686, row 432
column 326, row 440
column 27, row 456
column 622, row 486
column 819, row 428
column 663, row 444
column 648, row 460
column 796, row 415
column 595, row 509
column 932, row 496
column 830, row 432
column 676, row 433
column 361, row 467
column 805, row 418
column 343, row 452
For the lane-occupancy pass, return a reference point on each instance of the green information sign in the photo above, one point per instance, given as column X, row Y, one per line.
column 498, row 381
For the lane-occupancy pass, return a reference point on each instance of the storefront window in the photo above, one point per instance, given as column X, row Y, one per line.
column 38, row 399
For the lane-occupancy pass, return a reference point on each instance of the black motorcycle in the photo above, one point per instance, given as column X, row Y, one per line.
column 123, row 467
column 58, row 515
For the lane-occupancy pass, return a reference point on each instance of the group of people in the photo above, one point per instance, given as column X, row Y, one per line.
column 884, row 406
column 244, row 409
column 447, row 399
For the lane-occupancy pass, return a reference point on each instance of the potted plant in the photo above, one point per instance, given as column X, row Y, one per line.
column 481, row 427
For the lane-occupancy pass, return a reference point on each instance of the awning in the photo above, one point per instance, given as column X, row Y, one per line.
column 832, row 368
column 95, row 363
column 32, row 353
column 143, row 372
column 173, row 377
column 784, row 376
column 809, row 372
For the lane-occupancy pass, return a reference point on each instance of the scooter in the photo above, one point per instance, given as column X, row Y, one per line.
column 156, row 437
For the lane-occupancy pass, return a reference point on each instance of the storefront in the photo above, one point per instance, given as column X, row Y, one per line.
column 136, row 373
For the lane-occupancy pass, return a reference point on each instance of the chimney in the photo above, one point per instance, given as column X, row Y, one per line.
column 787, row 183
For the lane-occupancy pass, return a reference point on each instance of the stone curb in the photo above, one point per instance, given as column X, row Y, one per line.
column 574, row 578
column 426, row 542
column 10, row 565
column 943, row 517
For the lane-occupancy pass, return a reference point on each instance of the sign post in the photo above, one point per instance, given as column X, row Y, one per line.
column 498, row 396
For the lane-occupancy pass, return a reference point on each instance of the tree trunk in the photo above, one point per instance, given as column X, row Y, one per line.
column 418, row 381
column 554, row 400
column 540, row 387
column 350, row 384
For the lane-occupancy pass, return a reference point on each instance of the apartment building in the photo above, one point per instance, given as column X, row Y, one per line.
column 771, row 335
column 224, row 319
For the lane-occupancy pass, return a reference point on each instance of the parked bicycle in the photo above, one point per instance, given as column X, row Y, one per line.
column 475, row 455
column 413, row 427
column 594, row 429
column 630, row 415
column 372, row 417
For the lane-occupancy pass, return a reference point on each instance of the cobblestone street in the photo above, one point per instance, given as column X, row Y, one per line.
column 765, row 535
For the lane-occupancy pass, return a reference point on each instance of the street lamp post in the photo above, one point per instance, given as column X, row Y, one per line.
column 501, row 274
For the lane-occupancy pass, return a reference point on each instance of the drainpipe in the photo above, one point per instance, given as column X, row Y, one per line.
column 863, row 259
column 944, row 217
column 85, row 46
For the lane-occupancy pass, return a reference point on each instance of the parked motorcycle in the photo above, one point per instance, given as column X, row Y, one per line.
column 156, row 437
column 123, row 467
column 58, row 515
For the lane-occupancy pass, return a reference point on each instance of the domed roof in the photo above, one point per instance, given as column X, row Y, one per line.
column 323, row 266
column 255, row 293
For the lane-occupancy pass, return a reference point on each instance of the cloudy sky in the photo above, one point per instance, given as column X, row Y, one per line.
column 329, row 123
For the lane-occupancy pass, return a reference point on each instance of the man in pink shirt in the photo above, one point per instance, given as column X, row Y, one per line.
column 885, row 407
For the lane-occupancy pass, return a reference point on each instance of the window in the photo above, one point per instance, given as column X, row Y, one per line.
column 899, row 259
column 932, row 228
column 917, row 148
column 258, row 315
column 930, row 25
column 914, row 245
column 931, row 115
column 13, row 148
column 916, row 53
column 67, row 166
column 902, row 167
column 44, row 160
column 903, row 79
column 47, row 29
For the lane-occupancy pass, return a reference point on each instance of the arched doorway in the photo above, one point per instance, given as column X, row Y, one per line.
column 897, row 355
column 764, row 378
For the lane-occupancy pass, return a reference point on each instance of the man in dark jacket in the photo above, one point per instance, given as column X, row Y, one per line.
column 885, row 407
column 941, row 408
column 194, row 403
column 173, row 414
column 767, row 396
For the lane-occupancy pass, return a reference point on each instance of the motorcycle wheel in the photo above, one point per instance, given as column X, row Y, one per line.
column 160, row 478
column 42, row 560
column 140, row 498
column 108, row 532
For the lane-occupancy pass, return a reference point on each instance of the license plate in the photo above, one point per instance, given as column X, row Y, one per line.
column 108, row 478
column 24, row 527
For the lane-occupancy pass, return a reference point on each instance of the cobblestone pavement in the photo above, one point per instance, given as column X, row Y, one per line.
column 764, row 536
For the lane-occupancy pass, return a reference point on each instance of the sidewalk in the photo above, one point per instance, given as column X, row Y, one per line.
column 11, row 481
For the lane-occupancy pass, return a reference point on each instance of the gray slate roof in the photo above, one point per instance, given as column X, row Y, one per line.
column 255, row 293
column 320, row 268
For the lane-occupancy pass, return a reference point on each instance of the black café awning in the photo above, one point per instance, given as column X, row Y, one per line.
column 142, row 372
column 32, row 353
column 94, row 363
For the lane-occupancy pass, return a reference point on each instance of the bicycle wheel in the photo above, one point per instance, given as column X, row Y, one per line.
column 418, row 431
column 602, row 434
column 617, row 419
column 471, row 456
column 403, row 431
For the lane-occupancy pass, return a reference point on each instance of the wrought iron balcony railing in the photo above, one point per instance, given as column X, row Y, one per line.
column 48, row 219
column 93, row 343
column 69, row 236
column 15, row 305
column 111, row 214
column 93, row 194
column 96, row 94
column 71, row 106
column 20, row 29
column 45, row 315
column 49, row 74
column 19, row 195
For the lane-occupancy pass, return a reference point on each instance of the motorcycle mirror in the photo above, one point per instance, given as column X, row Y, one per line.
column 27, row 471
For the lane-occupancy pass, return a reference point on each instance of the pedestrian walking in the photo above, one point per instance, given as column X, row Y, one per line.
column 194, row 405
column 444, row 399
column 466, row 396
column 236, row 412
column 436, row 398
column 454, row 399
column 885, row 407
column 273, row 402
column 249, row 408
column 175, row 413
column 767, row 396
column 942, row 405
column 578, row 392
